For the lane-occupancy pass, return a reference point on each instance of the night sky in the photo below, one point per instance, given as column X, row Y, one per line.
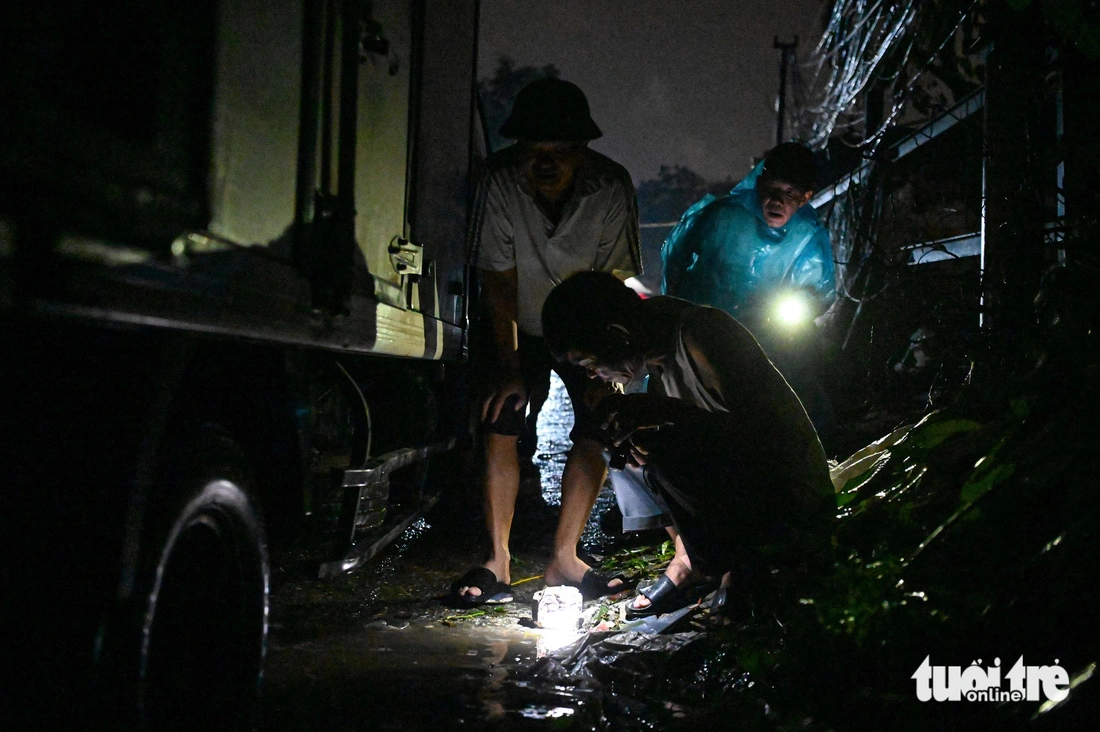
column 692, row 82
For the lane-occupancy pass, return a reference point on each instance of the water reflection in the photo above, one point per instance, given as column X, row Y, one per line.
column 424, row 676
column 551, row 640
column 377, row 650
column 547, row 713
column 555, row 422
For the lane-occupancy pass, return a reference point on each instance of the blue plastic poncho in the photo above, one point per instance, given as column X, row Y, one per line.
column 723, row 254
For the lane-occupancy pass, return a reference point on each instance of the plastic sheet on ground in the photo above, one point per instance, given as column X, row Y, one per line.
column 602, row 658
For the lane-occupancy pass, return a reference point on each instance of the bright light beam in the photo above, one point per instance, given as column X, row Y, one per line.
column 792, row 309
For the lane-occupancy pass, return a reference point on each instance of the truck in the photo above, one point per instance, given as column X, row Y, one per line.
column 234, row 293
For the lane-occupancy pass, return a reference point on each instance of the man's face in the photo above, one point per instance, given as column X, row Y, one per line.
column 779, row 200
column 549, row 167
column 615, row 369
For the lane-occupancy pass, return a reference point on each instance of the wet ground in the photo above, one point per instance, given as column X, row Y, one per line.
column 972, row 536
column 377, row 649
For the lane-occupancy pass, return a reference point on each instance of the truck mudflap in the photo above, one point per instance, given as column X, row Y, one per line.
column 366, row 494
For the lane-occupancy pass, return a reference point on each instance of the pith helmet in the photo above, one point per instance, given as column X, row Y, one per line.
column 550, row 110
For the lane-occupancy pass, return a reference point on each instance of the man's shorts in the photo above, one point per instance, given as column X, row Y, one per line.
column 535, row 364
column 641, row 507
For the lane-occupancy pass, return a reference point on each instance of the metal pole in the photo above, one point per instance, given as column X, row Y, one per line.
column 1014, row 253
column 785, row 52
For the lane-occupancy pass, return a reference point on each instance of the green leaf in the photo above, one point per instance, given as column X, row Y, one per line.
column 853, row 485
column 975, row 489
column 933, row 434
column 843, row 499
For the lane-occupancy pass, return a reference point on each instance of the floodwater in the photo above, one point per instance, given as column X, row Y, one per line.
column 376, row 649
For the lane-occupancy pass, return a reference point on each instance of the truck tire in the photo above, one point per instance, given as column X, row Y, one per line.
column 204, row 634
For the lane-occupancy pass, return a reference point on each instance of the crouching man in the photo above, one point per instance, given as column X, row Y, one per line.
column 725, row 444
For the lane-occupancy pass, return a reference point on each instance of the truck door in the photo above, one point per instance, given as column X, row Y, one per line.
column 446, row 146
column 382, row 150
column 413, row 151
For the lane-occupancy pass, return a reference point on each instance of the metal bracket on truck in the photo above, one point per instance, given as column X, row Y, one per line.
column 366, row 493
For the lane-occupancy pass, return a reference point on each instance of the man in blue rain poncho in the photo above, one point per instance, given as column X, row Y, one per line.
column 745, row 250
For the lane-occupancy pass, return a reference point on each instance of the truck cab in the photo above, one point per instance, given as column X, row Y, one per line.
column 234, row 293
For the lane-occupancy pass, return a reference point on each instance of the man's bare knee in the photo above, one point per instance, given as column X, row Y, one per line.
column 499, row 445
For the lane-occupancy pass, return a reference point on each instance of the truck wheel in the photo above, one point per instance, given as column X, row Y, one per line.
column 204, row 633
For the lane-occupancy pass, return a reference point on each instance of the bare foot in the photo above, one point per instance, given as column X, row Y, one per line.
column 679, row 569
column 570, row 571
column 502, row 570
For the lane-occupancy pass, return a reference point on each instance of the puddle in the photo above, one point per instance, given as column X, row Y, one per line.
column 377, row 650
column 421, row 675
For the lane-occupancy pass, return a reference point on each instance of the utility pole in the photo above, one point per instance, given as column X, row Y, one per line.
column 1014, row 251
column 784, row 58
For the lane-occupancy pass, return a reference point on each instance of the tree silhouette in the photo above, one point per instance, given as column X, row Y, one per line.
column 499, row 91
column 666, row 197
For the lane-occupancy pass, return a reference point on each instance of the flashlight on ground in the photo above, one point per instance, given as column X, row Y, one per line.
column 559, row 608
column 559, row 615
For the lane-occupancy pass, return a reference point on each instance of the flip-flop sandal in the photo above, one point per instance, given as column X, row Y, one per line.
column 595, row 585
column 493, row 591
column 665, row 596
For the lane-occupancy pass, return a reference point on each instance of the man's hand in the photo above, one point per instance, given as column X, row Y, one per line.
column 498, row 289
column 596, row 391
column 507, row 385
column 630, row 421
